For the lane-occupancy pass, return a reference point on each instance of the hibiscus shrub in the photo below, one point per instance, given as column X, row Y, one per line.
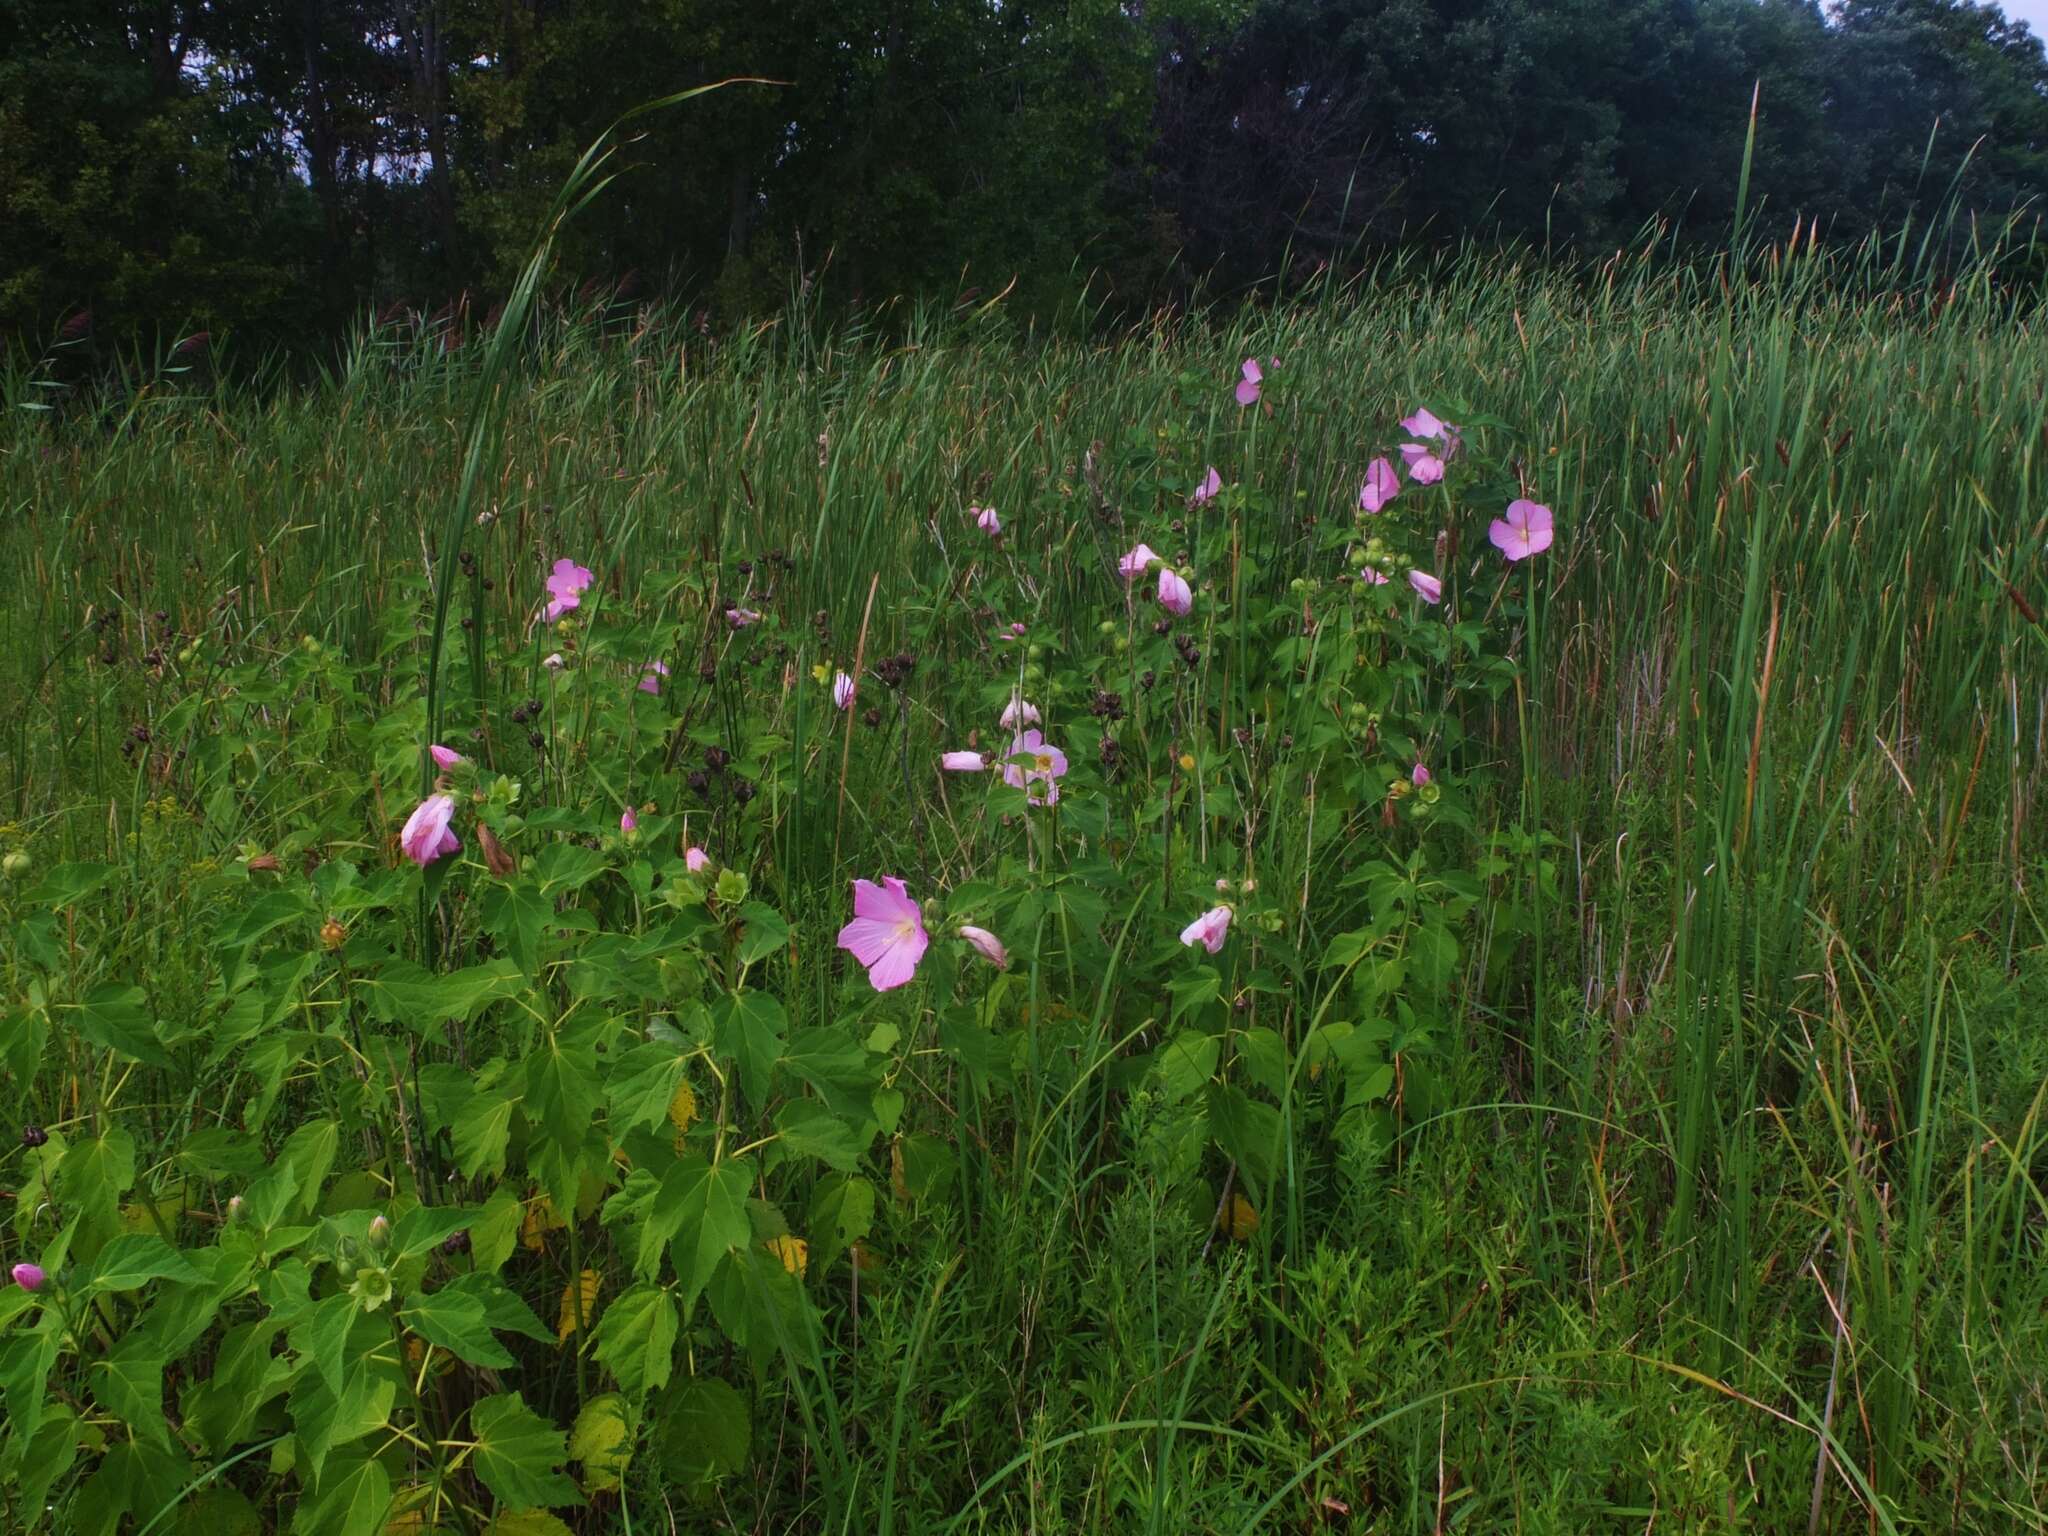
column 693, row 974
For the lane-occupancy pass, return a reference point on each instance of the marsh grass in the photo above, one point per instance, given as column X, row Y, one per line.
column 1732, row 1215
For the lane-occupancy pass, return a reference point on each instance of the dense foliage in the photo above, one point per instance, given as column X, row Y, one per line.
column 1453, row 1018
column 273, row 166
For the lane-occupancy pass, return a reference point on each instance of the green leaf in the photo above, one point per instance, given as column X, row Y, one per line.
column 93, row 1175
column 842, row 1213
column 519, row 1454
column 503, row 1309
column 129, row 1384
column 563, row 867
column 409, row 994
column 1246, row 1129
column 246, row 1375
column 118, row 1018
column 562, row 1091
column 321, row 1335
column 426, row 1227
column 1187, row 1062
column 323, row 1419
column 46, row 1456
column 133, row 1259
column 811, row 1130
column 495, row 1232
column 764, row 934
column 749, row 1029
column 309, row 1153
column 67, row 883
column 482, row 1133
column 704, row 1209
column 924, row 1166
column 516, row 915
column 1263, row 1057
column 25, row 1361
column 217, row 1510
column 456, row 1321
column 702, row 1432
column 221, row 1152
column 636, row 1339
column 643, row 1083
column 351, row 1499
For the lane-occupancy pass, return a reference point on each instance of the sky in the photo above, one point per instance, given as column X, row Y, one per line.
column 2033, row 12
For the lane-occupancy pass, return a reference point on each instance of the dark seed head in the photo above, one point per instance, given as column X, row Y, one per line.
column 699, row 781
column 742, row 791
column 535, row 740
column 455, row 1242
column 33, row 1135
column 716, row 759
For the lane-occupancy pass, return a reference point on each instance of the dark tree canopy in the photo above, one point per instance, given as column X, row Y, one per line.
column 277, row 166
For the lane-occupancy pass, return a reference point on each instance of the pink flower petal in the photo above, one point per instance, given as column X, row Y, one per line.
column 1424, row 467
column 1174, row 593
column 1382, row 485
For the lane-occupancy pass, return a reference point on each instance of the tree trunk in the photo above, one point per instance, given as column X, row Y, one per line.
column 427, row 56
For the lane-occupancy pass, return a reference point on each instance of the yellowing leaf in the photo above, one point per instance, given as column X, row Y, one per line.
column 540, row 1219
column 602, row 1441
column 1239, row 1221
column 571, row 1317
column 794, row 1252
column 901, row 1189
column 682, row 1109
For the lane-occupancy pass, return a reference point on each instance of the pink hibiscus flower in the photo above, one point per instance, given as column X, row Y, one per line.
column 1248, row 385
column 1209, row 930
column 1424, row 467
column 1207, row 490
column 1039, row 774
column 425, row 836
column 887, row 932
column 566, row 584
column 1382, row 485
column 1175, row 595
column 1525, row 531
column 1426, row 586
